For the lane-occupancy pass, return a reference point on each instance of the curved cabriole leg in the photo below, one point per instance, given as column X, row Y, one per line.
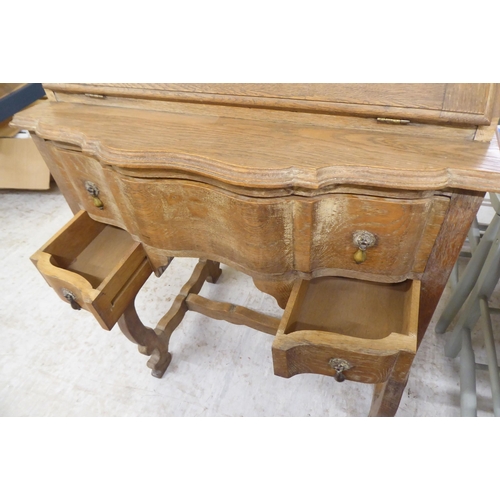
column 149, row 342
column 155, row 342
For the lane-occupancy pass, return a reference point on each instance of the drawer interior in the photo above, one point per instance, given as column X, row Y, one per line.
column 98, row 258
column 90, row 248
column 370, row 326
column 355, row 308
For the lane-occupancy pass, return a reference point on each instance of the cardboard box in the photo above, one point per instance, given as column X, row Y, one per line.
column 21, row 165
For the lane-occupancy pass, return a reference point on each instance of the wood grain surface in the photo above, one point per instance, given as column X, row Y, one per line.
column 261, row 236
column 102, row 266
column 264, row 154
column 462, row 210
column 354, row 308
column 438, row 102
column 366, row 324
column 273, row 180
column 237, row 315
column 310, row 352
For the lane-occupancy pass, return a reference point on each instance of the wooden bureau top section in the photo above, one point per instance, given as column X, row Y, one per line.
column 267, row 149
column 444, row 103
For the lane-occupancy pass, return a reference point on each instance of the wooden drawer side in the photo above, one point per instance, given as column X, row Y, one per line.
column 100, row 265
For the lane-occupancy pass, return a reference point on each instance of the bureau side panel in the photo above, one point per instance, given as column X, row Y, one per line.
column 462, row 209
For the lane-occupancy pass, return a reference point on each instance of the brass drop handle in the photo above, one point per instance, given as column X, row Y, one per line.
column 70, row 297
column 363, row 240
column 340, row 366
column 93, row 190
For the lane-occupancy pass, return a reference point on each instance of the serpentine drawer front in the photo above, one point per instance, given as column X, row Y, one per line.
column 94, row 266
column 306, row 234
column 314, row 236
column 348, row 329
column 85, row 178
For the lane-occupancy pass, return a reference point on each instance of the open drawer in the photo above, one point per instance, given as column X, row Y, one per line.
column 94, row 266
column 348, row 329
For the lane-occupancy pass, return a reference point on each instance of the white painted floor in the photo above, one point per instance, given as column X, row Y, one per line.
column 58, row 362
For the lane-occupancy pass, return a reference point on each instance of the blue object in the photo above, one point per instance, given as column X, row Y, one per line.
column 20, row 98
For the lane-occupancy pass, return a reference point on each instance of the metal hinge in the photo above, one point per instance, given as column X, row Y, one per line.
column 394, row 121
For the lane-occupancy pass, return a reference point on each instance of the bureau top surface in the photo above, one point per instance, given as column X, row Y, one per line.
column 268, row 149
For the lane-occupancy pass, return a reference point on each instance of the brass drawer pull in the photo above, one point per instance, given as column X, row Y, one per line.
column 340, row 366
column 93, row 190
column 70, row 297
column 363, row 240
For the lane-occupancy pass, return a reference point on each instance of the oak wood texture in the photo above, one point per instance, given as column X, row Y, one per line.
column 100, row 265
column 56, row 173
column 307, row 236
column 387, row 395
column 150, row 343
column 355, row 308
column 264, row 154
column 301, row 235
column 310, row 237
column 367, row 324
column 466, row 132
column 155, row 342
column 232, row 313
column 8, row 88
column 445, row 102
column 205, row 270
column 462, row 210
column 6, row 130
column 273, row 180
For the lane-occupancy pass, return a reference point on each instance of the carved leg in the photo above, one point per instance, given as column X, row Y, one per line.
column 155, row 342
column 205, row 270
column 386, row 398
column 463, row 207
column 213, row 271
column 149, row 342
column 387, row 395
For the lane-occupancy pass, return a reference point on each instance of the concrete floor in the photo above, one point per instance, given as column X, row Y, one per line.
column 58, row 362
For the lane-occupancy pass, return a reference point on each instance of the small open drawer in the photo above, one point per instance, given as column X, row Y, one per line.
column 94, row 266
column 348, row 329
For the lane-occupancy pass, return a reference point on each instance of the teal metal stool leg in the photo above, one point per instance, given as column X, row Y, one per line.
column 491, row 355
column 475, row 306
column 469, row 276
column 485, row 284
column 468, row 397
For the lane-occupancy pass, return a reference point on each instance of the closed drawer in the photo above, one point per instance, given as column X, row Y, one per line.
column 361, row 327
column 402, row 233
column 86, row 178
column 94, row 266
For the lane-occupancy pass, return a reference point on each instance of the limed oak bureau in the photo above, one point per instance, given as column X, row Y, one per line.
column 347, row 203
